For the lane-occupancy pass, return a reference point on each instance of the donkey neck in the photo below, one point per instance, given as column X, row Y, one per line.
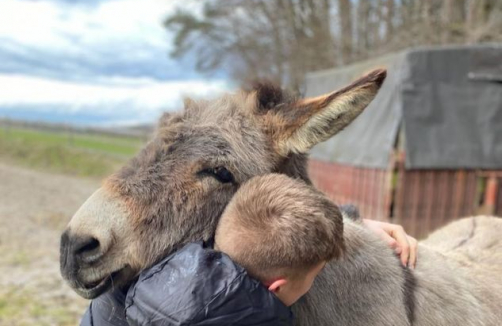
column 366, row 286
column 393, row 295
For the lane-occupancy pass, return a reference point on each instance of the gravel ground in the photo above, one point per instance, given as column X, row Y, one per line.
column 34, row 209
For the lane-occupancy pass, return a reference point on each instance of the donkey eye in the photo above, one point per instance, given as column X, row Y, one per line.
column 219, row 173
column 223, row 175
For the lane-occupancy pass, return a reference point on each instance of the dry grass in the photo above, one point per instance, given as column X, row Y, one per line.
column 34, row 209
column 36, row 206
column 24, row 307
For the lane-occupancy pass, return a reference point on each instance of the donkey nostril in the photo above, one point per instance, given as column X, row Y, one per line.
column 86, row 245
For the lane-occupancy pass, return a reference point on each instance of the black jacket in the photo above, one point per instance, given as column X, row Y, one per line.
column 194, row 286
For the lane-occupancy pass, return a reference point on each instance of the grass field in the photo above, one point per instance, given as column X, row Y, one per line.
column 36, row 207
column 88, row 155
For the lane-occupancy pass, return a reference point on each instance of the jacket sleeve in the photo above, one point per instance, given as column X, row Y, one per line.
column 106, row 310
column 87, row 318
column 198, row 286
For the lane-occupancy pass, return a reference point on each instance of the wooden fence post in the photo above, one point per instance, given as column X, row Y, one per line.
column 490, row 199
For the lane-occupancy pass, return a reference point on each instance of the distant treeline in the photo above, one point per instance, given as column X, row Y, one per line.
column 283, row 39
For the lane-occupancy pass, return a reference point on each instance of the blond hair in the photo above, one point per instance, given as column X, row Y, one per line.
column 277, row 226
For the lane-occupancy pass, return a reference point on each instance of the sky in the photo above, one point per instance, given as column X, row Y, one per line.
column 93, row 62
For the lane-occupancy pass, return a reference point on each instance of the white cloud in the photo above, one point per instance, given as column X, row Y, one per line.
column 48, row 24
column 102, row 57
column 148, row 94
column 138, row 97
column 106, row 37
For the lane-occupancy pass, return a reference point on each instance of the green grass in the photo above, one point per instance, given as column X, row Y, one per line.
column 109, row 144
column 19, row 307
column 89, row 155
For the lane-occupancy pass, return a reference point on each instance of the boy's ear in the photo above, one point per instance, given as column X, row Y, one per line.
column 276, row 285
column 296, row 127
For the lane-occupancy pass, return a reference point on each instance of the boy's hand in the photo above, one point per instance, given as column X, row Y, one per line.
column 395, row 236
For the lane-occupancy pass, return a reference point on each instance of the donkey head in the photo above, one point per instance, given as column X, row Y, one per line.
column 175, row 189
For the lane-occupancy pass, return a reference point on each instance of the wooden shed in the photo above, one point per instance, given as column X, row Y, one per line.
column 428, row 149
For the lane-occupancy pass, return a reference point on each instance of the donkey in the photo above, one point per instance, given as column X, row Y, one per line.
column 175, row 189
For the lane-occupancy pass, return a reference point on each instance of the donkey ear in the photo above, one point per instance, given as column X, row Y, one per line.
column 298, row 127
column 168, row 118
column 188, row 103
column 164, row 119
column 268, row 95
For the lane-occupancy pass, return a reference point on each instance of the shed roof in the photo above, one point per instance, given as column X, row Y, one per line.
column 447, row 100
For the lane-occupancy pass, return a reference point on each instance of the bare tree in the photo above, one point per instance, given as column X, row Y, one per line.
column 282, row 40
column 277, row 39
column 389, row 20
column 363, row 16
column 453, row 20
column 346, row 35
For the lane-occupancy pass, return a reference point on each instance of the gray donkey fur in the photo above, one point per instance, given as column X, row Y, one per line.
column 174, row 191
column 370, row 287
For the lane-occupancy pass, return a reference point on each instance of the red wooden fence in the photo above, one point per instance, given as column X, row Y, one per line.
column 346, row 184
column 428, row 199
column 420, row 200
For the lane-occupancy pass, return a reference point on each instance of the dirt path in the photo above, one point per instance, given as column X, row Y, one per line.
column 34, row 209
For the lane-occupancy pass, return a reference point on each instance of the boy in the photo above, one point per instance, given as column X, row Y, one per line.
column 273, row 239
column 281, row 231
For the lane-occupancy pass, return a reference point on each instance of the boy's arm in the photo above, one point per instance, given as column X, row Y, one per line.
column 393, row 234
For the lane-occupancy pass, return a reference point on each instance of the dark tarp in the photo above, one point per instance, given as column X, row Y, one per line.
column 448, row 101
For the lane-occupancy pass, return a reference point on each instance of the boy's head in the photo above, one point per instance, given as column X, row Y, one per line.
column 282, row 231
